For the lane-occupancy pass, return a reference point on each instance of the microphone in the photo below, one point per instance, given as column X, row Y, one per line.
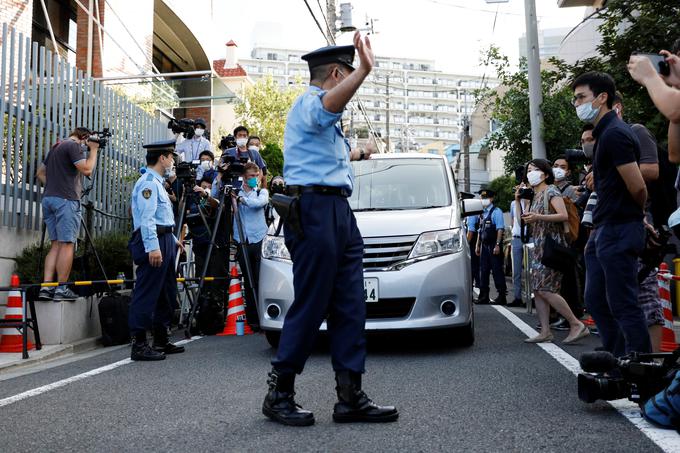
column 598, row 362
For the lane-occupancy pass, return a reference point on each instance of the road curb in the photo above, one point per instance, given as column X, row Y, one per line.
column 55, row 351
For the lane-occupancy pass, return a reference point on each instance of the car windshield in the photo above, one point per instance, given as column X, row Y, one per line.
column 396, row 184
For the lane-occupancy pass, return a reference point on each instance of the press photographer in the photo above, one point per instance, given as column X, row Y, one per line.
column 61, row 173
column 243, row 151
column 196, row 143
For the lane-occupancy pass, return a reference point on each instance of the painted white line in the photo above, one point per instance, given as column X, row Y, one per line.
column 666, row 439
column 79, row 377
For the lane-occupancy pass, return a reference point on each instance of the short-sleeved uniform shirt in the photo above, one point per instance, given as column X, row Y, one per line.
column 151, row 206
column 315, row 149
column 615, row 145
column 63, row 178
column 496, row 218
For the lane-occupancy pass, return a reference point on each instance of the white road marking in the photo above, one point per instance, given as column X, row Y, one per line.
column 79, row 377
column 666, row 439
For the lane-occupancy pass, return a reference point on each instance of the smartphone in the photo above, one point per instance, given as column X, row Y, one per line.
column 658, row 61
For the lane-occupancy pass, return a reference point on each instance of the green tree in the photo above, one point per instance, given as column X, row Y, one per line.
column 264, row 107
column 504, row 186
column 273, row 156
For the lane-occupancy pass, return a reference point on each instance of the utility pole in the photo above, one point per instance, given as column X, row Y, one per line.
column 332, row 17
column 387, row 115
column 535, row 95
column 465, row 141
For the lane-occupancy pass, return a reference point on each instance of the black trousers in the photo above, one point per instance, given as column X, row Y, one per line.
column 254, row 252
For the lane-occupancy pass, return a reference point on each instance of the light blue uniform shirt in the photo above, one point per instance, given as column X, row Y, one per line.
column 315, row 151
column 251, row 210
column 496, row 219
column 472, row 223
column 151, row 206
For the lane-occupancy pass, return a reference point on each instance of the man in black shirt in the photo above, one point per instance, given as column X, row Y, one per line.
column 618, row 236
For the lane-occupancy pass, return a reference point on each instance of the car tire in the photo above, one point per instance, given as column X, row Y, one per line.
column 465, row 336
column 273, row 338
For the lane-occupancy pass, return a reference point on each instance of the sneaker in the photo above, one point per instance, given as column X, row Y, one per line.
column 560, row 324
column 65, row 293
column 47, row 293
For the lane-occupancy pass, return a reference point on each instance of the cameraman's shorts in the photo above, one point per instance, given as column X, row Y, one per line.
column 62, row 218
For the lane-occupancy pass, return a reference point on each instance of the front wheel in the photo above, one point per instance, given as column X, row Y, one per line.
column 273, row 338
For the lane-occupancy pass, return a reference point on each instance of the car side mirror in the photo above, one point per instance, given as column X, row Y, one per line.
column 471, row 207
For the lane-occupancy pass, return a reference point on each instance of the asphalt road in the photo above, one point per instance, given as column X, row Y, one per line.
column 499, row 395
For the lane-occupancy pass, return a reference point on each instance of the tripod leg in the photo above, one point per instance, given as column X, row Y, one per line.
column 42, row 250
column 94, row 251
column 244, row 251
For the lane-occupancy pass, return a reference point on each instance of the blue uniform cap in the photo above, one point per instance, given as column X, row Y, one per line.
column 161, row 147
column 487, row 193
column 330, row 54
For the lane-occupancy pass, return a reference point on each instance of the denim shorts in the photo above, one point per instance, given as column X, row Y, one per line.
column 62, row 218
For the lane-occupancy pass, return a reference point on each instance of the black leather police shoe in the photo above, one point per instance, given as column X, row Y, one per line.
column 142, row 352
column 354, row 405
column 500, row 300
column 280, row 405
column 162, row 344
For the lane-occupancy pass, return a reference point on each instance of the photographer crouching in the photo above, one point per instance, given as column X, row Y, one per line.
column 251, row 204
column 60, row 173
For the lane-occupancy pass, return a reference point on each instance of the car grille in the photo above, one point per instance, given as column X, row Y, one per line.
column 390, row 308
column 386, row 251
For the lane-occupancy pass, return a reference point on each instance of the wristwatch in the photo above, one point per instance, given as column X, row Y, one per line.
column 362, row 155
column 498, row 244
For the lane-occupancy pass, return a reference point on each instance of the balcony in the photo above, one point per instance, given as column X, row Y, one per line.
column 572, row 3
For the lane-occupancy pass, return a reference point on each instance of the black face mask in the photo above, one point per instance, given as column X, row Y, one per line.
column 277, row 188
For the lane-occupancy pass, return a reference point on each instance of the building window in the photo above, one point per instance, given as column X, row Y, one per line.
column 272, row 56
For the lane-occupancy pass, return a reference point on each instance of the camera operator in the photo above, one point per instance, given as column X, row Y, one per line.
column 206, row 166
column 61, row 172
column 195, row 144
column 618, row 237
column 251, row 204
column 664, row 90
column 276, row 185
column 243, row 152
column 203, row 203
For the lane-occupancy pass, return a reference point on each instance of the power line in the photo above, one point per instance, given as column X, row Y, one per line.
column 325, row 19
column 328, row 41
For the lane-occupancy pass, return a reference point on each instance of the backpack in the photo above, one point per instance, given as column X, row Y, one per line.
column 113, row 316
column 571, row 225
column 663, row 409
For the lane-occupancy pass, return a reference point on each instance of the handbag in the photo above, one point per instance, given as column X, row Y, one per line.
column 557, row 256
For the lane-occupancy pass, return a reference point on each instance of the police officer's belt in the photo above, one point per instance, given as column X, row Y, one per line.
column 296, row 191
column 160, row 229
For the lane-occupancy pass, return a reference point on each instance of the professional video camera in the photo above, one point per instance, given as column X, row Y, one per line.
column 186, row 172
column 636, row 376
column 576, row 156
column 526, row 193
column 100, row 137
column 227, row 142
column 184, row 126
column 656, row 248
column 231, row 167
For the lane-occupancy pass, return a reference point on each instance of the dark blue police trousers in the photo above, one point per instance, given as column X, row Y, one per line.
column 491, row 263
column 328, row 283
column 155, row 287
column 612, row 287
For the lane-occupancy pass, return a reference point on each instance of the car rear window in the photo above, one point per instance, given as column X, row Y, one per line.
column 396, row 184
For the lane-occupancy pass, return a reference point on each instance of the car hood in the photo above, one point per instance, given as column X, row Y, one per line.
column 404, row 223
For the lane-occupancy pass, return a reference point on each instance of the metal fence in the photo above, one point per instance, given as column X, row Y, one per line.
column 42, row 98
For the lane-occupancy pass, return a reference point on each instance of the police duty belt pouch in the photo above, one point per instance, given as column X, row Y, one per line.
column 557, row 256
column 289, row 210
column 113, row 316
column 663, row 409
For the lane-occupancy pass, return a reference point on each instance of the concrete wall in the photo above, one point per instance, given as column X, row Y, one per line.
column 12, row 242
column 17, row 14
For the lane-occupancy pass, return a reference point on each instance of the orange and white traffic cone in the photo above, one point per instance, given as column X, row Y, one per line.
column 12, row 340
column 236, row 307
column 668, row 343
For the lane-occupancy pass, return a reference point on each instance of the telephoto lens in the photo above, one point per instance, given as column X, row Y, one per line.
column 587, row 220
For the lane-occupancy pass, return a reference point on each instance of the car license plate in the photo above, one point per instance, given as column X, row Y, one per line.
column 371, row 290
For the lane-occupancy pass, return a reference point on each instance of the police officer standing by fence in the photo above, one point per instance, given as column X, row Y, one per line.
column 325, row 245
column 153, row 248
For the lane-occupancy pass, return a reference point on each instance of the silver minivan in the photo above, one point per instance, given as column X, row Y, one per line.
column 416, row 256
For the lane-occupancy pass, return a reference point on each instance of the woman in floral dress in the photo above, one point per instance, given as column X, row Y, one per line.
column 546, row 281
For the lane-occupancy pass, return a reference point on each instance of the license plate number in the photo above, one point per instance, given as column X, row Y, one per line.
column 371, row 290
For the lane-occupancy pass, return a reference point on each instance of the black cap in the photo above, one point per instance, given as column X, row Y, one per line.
column 487, row 193
column 160, row 147
column 200, row 121
column 207, row 152
column 330, row 54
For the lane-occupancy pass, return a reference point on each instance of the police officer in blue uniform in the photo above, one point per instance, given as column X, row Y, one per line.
column 326, row 246
column 153, row 248
column 490, row 227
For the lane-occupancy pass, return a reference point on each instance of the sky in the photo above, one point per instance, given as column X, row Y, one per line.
column 450, row 32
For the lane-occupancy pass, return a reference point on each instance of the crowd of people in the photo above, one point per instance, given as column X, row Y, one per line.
column 596, row 219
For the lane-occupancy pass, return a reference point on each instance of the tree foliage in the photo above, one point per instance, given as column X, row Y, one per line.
column 273, row 155
column 264, row 107
column 505, row 192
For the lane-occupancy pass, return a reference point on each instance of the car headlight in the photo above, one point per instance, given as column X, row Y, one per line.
column 438, row 242
column 274, row 248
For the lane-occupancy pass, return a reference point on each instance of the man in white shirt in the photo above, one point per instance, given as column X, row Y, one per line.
column 191, row 148
column 517, row 251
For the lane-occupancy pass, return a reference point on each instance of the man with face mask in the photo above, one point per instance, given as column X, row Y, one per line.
column 326, row 246
column 489, row 249
column 206, row 167
column 246, row 149
column 618, row 236
column 153, row 248
column 191, row 148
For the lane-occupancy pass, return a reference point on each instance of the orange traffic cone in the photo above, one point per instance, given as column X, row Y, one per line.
column 236, row 308
column 668, row 343
column 12, row 340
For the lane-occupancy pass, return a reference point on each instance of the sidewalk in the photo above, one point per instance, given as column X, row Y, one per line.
column 11, row 361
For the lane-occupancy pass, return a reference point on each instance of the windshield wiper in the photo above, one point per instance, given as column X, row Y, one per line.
column 429, row 207
column 370, row 209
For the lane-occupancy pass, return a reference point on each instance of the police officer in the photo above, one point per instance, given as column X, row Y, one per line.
column 490, row 226
column 153, row 248
column 326, row 246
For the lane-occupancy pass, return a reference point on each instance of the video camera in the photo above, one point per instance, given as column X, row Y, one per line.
column 227, row 142
column 636, row 376
column 186, row 172
column 231, row 167
column 526, row 193
column 576, row 156
column 184, row 126
column 100, row 137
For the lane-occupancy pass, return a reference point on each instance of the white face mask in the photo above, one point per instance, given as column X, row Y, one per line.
column 535, row 177
column 486, row 202
column 199, row 132
column 559, row 174
column 254, row 148
column 241, row 142
column 586, row 112
column 206, row 165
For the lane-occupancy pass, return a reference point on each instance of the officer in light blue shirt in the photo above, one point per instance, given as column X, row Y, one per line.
column 490, row 225
column 153, row 248
column 324, row 242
